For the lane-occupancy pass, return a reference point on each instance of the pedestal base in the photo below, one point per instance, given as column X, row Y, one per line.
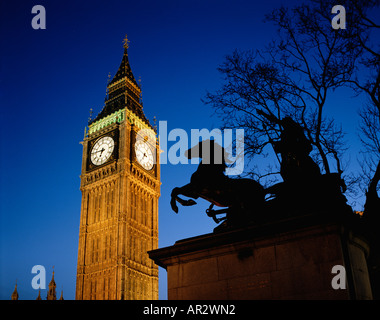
column 290, row 259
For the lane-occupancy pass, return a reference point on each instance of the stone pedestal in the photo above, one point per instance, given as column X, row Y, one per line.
column 290, row 259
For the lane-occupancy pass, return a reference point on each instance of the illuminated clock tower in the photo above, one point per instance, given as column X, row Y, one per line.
column 120, row 185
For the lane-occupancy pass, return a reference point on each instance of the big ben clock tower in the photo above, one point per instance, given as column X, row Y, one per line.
column 120, row 184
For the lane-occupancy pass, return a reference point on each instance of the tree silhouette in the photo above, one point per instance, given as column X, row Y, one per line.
column 363, row 33
column 293, row 76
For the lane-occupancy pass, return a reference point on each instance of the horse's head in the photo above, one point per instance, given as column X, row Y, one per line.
column 209, row 151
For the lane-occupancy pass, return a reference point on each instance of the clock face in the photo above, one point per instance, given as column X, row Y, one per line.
column 102, row 150
column 144, row 155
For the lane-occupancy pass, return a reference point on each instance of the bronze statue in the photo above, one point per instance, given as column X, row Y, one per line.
column 241, row 198
column 304, row 186
column 244, row 201
column 294, row 148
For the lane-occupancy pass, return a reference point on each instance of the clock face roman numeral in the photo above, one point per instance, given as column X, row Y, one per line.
column 102, row 150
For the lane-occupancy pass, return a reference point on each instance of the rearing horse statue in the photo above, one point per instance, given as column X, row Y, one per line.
column 241, row 198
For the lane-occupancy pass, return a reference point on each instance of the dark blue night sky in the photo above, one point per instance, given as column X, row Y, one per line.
column 51, row 78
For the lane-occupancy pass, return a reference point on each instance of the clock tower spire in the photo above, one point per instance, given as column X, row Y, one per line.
column 120, row 185
column 123, row 91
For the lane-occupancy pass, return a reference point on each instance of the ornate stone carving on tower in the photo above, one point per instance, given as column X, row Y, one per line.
column 120, row 184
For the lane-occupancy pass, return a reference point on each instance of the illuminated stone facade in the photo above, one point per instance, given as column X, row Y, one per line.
column 120, row 192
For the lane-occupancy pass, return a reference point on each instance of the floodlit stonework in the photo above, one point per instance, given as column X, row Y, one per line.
column 120, row 192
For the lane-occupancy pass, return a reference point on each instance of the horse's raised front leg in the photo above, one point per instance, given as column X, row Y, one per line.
column 173, row 201
column 187, row 191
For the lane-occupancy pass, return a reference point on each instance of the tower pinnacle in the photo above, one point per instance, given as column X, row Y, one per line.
column 126, row 42
column 51, row 293
column 123, row 91
column 15, row 293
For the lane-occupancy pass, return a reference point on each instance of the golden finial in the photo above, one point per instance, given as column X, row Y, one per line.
column 126, row 42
